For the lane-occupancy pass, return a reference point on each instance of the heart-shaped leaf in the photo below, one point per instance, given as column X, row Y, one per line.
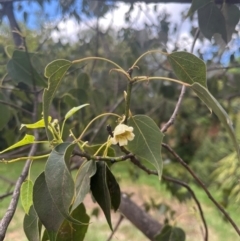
column 170, row 233
column 31, row 225
column 21, row 69
column 27, row 195
column 147, row 141
column 45, row 207
column 211, row 21
column 59, row 180
column 214, row 105
column 54, row 72
column 82, row 183
column 231, row 14
column 74, row 232
column 196, row 4
column 188, row 68
column 100, row 191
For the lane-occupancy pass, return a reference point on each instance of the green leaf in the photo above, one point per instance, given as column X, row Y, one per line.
column 27, row 195
column 196, row 4
column 170, row 233
column 83, row 81
column 4, row 118
column 147, row 141
column 59, row 180
column 45, row 207
column 211, row 21
column 188, row 68
column 74, row 232
column 31, row 225
column 54, row 72
column 214, row 105
column 55, row 66
column 82, row 183
column 231, row 14
column 27, row 139
column 38, row 124
column 100, row 191
column 75, row 97
column 45, row 236
column 114, row 190
column 73, row 110
column 20, row 69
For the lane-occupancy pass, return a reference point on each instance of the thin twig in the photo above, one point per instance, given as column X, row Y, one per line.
column 222, row 210
column 183, row 90
column 7, row 180
column 116, row 227
column 170, row 179
column 5, row 221
column 101, row 158
column 195, row 39
column 15, row 107
column 6, row 195
column 175, row 112
column 14, row 201
column 223, row 68
column 136, row 162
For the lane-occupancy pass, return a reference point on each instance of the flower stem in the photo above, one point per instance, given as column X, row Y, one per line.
column 98, row 58
column 127, row 102
column 104, row 114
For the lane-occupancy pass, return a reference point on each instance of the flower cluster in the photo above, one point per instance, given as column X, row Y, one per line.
column 122, row 134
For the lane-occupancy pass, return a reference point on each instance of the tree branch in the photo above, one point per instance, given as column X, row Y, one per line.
column 15, row 107
column 7, row 8
column 175, row 112
column 139, row 218
column 6, row 195
column 5, row 221
column 14, row 201
column 136, row 162
column 170, row 179
column 116, row 227
column 222, row 210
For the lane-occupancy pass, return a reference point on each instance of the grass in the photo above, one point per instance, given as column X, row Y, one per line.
column 219, row 228
column 144, row 187
column 12, row 172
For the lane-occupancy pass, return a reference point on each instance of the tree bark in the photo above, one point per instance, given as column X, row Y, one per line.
column 139, row 218
column 7, row 9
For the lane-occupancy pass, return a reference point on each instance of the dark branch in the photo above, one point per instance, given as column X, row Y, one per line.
column 6, row 195
column 116, row 227
column 176, row 110
column 5, row 221
column 170, row 179
column 184, row 164
column 15, row 107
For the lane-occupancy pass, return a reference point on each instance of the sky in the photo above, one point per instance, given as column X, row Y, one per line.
column 69, row 27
